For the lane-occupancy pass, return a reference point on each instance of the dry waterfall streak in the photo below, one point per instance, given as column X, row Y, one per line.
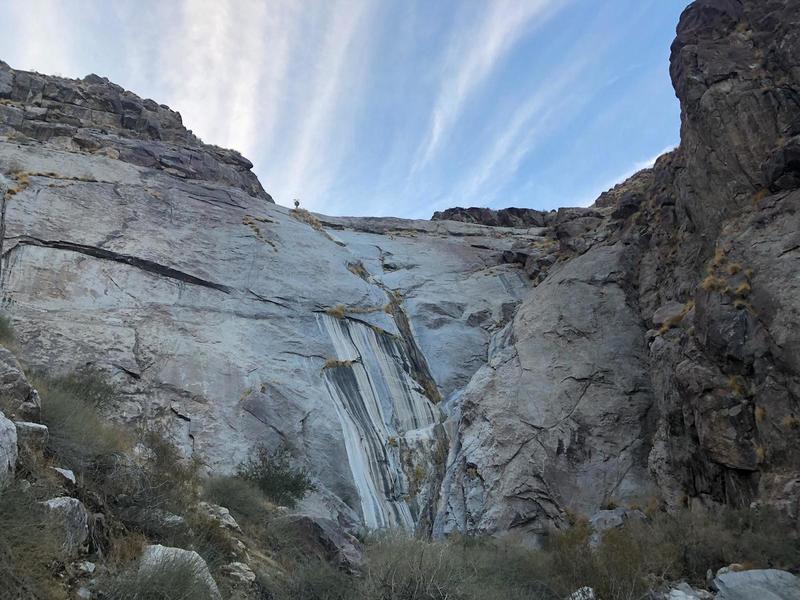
column 378, row 404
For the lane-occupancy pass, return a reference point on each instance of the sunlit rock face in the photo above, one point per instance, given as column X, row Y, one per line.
column 231, row 321
column 484, row 372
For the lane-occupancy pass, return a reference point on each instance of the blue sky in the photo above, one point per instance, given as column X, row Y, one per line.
column 387, row 107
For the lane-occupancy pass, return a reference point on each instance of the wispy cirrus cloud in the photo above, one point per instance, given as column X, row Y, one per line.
column 369, row 107
column 316, row 150
column 473, row 55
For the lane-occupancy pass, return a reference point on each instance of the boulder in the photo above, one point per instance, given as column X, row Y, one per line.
column 325, row 539
column 668, row 313
column 8, row 449
column 67, row 475
column 611, row 519
column 683, row 591
column 760, row 584
column 14, row 386
column 221, row 515
column 239, row 572
column 32, row 435
column 157, row 556
column 71, row 515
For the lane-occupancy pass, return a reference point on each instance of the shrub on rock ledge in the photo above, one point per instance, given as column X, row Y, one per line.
column 273, row 473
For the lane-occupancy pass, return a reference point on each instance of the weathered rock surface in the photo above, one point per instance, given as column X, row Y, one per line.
column 8, row 449
column 580, row 402
column 764, row 584
column 73, row 519
column 485, row 371
column 157, row 556
column 324, row 540
column 233, row 321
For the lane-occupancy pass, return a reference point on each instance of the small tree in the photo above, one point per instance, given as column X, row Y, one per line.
column 273, row 473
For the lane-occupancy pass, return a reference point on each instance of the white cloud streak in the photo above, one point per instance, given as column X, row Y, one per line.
column 312, row 161
column 473, row 56
column 635, row 168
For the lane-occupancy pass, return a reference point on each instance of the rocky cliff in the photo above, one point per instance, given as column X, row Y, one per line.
column 486, row 371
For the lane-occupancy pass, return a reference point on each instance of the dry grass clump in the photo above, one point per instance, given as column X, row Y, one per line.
column 80, row 438
column 29, row 548
column 791, row 422
column 252, row 223
column 677, row 319
column 358, row 270
column 178, row 579
column 7, row 335
column 302, row 215
column 334, row 363
column 337, row 311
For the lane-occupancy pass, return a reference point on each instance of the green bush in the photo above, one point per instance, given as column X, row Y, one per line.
column 177, row 579
column 274, row 475
column 29, row 548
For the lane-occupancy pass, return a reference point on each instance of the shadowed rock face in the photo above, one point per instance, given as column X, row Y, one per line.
column 486, row 371
column 580, row 404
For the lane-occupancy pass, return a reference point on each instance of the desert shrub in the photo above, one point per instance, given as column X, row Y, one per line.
column 273, row 473
column 205, row 536
column 164, row 480
column 697, row 541
column 310, row 581
column 7, row 335
column 242, row 497
column 80, row 438
column 29, row 548
column 402, row 568
column 176, row 579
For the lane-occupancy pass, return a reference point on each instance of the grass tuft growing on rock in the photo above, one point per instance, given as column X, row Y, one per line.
column 29, row 548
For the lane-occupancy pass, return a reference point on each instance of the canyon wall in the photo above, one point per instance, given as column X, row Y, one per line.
column 483, row 372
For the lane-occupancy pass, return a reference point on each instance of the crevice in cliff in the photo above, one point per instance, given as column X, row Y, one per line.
column 133, row 261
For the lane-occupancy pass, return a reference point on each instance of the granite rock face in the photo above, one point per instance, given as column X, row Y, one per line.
column 657, row 357
column 8, row 449
column 483, row 372
column 232, row 321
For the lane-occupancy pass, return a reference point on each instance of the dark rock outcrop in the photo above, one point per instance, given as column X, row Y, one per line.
column 486, row 371
column 710, row 394
column 96, row 116
column 506, row 217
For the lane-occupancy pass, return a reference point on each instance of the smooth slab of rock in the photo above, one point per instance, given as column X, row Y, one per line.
column 760, row 584
column 33, row 435
column 157, row 556
column 67, row 474
column 8, row 449
column 72, row 516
